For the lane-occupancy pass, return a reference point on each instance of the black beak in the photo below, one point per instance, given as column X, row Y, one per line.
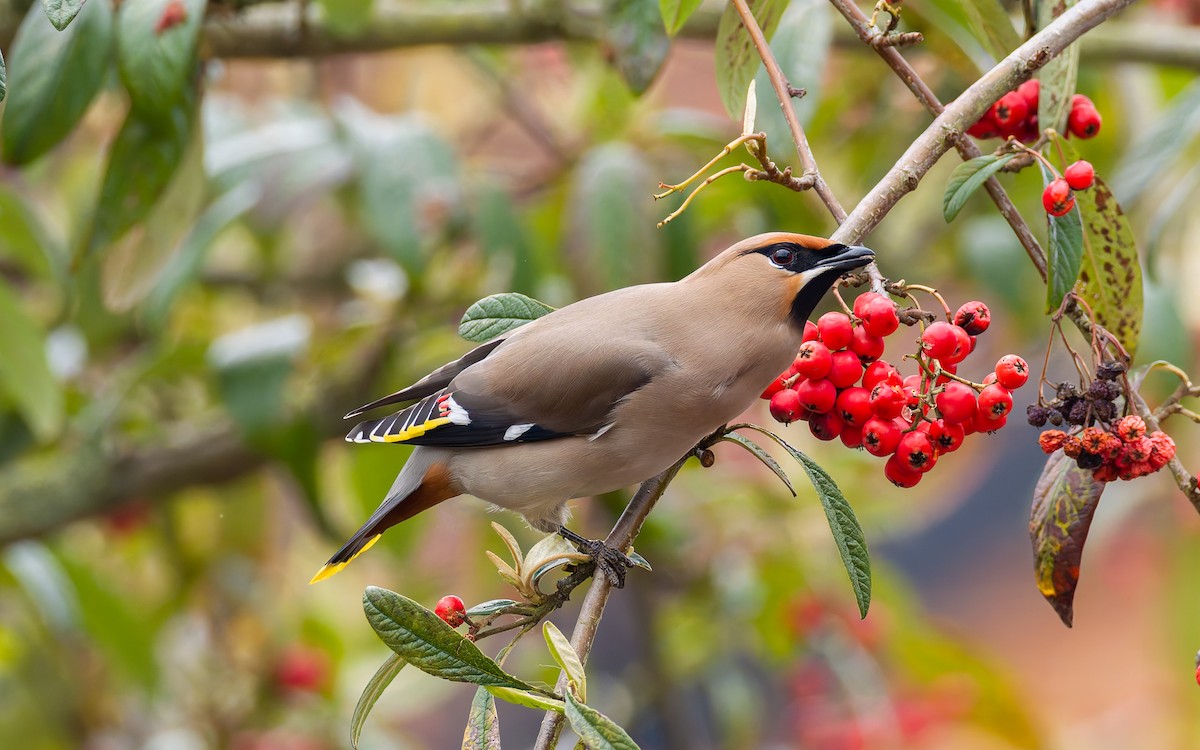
column 854, row 256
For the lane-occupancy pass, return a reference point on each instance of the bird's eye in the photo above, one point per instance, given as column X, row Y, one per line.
column 783, row 256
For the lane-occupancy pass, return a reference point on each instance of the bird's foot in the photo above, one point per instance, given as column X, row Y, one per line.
column 609, row 561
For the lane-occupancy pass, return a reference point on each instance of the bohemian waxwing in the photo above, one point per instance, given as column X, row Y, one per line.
column 603, row 393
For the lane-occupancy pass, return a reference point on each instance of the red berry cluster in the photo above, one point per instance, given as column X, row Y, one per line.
column 1123, row 452
column 841, row 387
column 1059, row 196
column 1015, row 115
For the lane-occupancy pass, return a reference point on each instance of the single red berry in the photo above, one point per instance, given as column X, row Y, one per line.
column 863, row 300
column 1012, row 372
column 826, row 426
column 984, row 423
column 1084, row 120
column 945, row 437
column 956, row 403
column 939, row 340
column 887, row 400
column 868, row 348
column 854, row 406
column 813, row 360
column 810, row 331
column 777, row 384
column 852, row 435
column 880, row 317
column 974, row 317
column 1080, row 175
column 877, row 372
column 962, row 346
column 985, row 128
column 917, row 452
column 835, row 329
column 1057, row 198
column 785, row 406
column 880, row 436
column 1030, row 90
column 451, row 609
column 845, row 369
column 1009, row 112
column 1198, row 674
column 995, row 401
column 816, row 395
column 898, row 473
column 173, row 14
column 302, row 669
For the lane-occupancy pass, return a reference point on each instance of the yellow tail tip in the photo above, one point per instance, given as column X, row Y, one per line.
column 330, row 569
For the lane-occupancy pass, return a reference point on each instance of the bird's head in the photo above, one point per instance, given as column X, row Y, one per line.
column 792, row 271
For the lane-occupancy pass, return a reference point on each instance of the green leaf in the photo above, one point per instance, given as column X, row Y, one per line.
column 758, row 452
column 483, row 724
column 499, row 314
column 801, row 47
column 62, row 12
column 634, row 34
column 490, row 607
column 1110, row 275
column 1065, row 252
column 966, row 179
column 847, row 533
column 141, row 163
column 24, row 236
column 675, row 13
column 1160, row 148
column 3, row 78
column 736, row 59
column 991, row 25
column 527, row 699
column 1064, row 501
column 55, row 75
column 608, row 196
column 1058, row 76
column 370, row 695
column 428, row 643
column 568, row 660
column 24, row 372
column 157, row 60
column 252, row 367
column 596, row 730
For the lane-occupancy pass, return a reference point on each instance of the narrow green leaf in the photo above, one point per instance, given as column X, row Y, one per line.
column 1059, row 75
column 568, row 660
column 966, row 179
column 1110, row 274
column 490, row 607
column 737, row 61
column 991, row 25
column 3, row 78
column 1065, row 252
column 24, row 372
column 483, row 724
column 428, row 643
column 675, row 13
column 498, row 314
column 758, row 452
column 1064, row 501
column 157, row 42
column 55, row 75
column 62, row 12
column 596, row 730
column 526, row 698
column 370, row 695
column 847, row 533
column 634, row 34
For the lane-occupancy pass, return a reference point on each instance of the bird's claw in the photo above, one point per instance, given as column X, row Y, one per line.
column 609, row 561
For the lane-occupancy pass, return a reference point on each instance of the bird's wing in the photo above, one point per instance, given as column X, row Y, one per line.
column 536, row 389
column 434, row 381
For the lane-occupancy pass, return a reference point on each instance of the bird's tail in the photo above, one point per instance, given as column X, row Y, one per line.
column 422, row 483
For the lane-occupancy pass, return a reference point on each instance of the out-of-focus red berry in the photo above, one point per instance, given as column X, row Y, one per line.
column 1084, row 120
column 302, row 669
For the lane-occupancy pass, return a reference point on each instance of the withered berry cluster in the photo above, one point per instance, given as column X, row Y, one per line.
column 1015, row 115
column 1110, row 448
column 841, row 387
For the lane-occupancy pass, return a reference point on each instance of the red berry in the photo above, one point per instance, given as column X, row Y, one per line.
column 912, row 391
column 785, row 406
column 845, row 369
column 974, row 317
column 877, row 372
column 451, row 610
column 813, row 360
column 1030, row 91
column 898, row 473
column 868, row 348
column 916, row 451
column 826, row 426
column 984, row 423
column 1057, row 198
column 302, row 669
column 887, row 400
column 985, row 128
column 1029, row 131
column 777, row 384
column 945, row 437
column 1198, row 674
column 810, row 331
column 1080, row 175
column 962, row 346
column 816, row 395
column 1011, row 371
column 173, row 14
column 879, row 317
column 995, row 402
column 1010, row 111
column 863, row 300
column 939, row 340
column 854, row 406
column 1084, row 121
column 956, row 403
column 835, row 329
column 852, row 435
column 880, row 436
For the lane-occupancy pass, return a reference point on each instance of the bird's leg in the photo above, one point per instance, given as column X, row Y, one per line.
column 610, row 561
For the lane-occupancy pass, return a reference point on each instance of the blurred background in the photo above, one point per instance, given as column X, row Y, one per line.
column 171, row 468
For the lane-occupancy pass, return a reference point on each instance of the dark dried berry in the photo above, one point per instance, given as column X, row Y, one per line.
column 1037, row 415
column 1089, row 460
column 1105, row 411
column 1079, row 412
column 1103, row 390
column 1066, row 391
column 1110, row 370
column 1055, row 417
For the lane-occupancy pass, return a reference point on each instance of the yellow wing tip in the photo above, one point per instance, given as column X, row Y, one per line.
column 329, row 570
